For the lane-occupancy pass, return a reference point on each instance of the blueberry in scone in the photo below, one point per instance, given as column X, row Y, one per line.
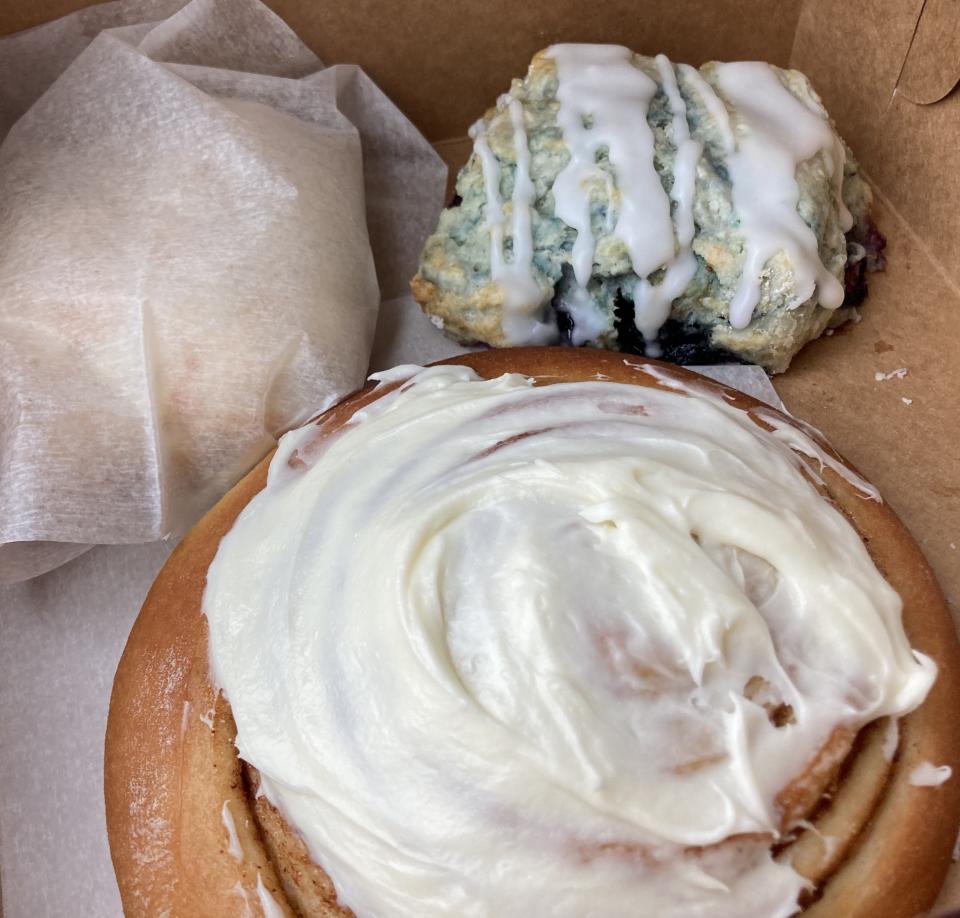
column 629, row 203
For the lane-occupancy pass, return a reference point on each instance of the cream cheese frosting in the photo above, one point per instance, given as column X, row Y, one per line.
column 490, row 645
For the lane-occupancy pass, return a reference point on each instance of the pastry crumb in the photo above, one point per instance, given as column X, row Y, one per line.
column 899, row 373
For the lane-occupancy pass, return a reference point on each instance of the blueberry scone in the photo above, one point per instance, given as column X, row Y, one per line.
column 629, row 203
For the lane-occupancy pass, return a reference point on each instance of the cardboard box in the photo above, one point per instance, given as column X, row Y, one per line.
column 888, row 72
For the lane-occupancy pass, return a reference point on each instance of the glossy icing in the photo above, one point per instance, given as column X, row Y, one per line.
column 490, row 631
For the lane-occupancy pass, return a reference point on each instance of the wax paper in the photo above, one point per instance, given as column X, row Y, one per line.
column 199, row 221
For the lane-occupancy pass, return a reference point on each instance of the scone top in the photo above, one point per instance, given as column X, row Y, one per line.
column 622, row 201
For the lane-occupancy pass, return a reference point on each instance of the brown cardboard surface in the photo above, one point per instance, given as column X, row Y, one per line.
column 15, row 15
column 875, row 62
column 444, row 63
column 910, row 151
column 907, row 449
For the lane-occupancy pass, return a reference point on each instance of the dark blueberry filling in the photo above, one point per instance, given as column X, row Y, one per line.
column 564, row 323
column 855, row 282
column 564, row 319
column 629, row 340
column 680, row 343
column 688, row 344
column 870, row 237
column 865, row 244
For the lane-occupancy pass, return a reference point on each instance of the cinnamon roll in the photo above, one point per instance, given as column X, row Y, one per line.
column 539, row 632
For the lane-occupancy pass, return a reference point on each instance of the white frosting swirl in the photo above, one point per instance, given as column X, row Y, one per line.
column 489, row 647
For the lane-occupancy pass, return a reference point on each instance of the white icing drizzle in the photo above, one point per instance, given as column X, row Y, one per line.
column 267, row 903
column 400, row 373
column 610, row 189
column 234, row 849
column 492, row 631
column 490, row 169
column 713, row 104
column 600, row 83
column 522, row 295
column 808, row 445
column 891, row 739
column 776, row 132
column 588, row 321
column 797, row 434
column 926, row 774
column 688, row 153
column 838, row 161
column 652, row 302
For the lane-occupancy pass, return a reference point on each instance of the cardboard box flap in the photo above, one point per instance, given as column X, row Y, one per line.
column 931, row 70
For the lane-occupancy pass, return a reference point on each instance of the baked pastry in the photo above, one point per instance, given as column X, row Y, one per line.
column 602, row 637
column 627, row 203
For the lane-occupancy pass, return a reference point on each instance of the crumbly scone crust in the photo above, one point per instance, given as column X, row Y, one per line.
column 171, row 765
column 454, row 284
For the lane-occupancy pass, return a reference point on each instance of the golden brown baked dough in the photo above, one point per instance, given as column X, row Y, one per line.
column 171, row 767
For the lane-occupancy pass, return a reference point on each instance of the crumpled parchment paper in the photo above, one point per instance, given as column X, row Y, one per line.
column 197, row 224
